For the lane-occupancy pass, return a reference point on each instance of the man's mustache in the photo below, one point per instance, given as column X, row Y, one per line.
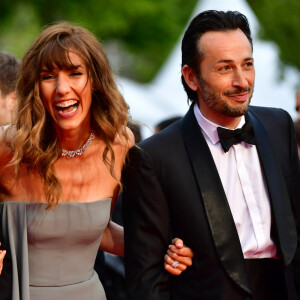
column 237, row 91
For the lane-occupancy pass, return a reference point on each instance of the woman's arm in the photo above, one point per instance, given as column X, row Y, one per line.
column 2, row 255
column 113, row 239
column 113, row 242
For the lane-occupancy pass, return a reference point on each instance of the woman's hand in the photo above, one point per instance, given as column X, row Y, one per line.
column 178, row 257
column 2, row 254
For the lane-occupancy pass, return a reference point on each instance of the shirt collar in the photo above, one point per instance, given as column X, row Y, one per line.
column 209, row 128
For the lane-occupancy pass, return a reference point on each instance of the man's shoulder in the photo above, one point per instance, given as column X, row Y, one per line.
column 262, row 110
column 274, row 120
column 160, row 147
column 270, row 114
column 164, row 138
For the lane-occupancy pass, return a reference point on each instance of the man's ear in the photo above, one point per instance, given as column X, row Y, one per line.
column 190, row 77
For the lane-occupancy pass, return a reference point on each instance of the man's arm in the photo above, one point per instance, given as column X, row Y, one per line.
column 146, row 228
column 295, row 196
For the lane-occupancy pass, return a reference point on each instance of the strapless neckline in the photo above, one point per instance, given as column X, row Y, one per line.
column 59, row 203
column 54, row 250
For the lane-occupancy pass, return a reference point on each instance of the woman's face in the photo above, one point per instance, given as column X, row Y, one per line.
column 67, row 94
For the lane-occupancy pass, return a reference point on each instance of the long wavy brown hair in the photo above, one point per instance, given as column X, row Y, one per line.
column 35, row 143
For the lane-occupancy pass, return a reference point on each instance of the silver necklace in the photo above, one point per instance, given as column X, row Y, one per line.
column 79, row 151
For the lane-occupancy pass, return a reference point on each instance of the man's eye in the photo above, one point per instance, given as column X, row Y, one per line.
column 249, row 64
column 224, row 68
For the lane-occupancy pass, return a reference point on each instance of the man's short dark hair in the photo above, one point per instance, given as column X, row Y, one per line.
column 210, row 20
column 9, row 71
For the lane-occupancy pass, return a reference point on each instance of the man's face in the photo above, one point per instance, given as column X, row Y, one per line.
column 226, row 75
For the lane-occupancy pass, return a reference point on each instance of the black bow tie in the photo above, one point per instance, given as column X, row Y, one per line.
column 231, row 137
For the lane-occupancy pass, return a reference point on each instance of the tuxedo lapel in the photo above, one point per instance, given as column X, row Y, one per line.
column 215, row 202
column 279, row 197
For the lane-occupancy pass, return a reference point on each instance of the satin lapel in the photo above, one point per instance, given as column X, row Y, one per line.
column 215, row 202
column 280, row 202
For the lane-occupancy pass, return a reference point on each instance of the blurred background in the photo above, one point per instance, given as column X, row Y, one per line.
column 142, row 40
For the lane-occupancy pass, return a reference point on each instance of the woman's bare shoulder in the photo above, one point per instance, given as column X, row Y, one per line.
column 131, row 138
column 125, row 141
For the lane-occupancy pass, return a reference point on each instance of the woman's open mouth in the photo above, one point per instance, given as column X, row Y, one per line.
column 67, row 107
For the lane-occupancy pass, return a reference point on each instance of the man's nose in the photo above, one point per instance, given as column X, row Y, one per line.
column 240, row 80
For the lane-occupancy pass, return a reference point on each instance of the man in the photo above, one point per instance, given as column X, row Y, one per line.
column 9, row 69
column 234, row 205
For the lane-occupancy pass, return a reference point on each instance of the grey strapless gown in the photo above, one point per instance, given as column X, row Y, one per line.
column 62, row 247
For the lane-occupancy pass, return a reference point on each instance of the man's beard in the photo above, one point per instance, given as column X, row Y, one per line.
column 216, row 103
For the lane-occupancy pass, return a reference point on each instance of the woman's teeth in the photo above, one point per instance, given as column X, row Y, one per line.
column 67, row 106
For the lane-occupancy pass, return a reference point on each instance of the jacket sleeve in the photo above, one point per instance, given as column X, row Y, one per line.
column 295, row 202
column 146, row 229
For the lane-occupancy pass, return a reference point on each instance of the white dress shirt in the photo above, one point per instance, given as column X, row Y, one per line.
column 245, row 187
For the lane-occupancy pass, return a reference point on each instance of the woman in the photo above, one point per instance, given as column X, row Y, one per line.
column 61, row 163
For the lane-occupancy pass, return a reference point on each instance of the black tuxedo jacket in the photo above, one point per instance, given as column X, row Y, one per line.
column 172, row 189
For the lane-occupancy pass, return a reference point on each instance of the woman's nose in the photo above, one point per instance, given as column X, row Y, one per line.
column 62, row 84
